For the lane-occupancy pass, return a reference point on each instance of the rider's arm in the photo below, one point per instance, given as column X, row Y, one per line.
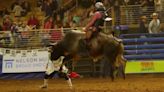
column 96, row 16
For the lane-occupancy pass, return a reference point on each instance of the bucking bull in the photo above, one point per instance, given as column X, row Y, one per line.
column 102, row 46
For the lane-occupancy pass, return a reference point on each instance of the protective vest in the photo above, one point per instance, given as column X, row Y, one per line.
column 99, row 23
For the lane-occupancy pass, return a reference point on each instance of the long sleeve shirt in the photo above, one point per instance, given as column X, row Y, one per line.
column 154, row 26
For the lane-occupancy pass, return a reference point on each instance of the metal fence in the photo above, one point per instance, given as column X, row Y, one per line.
column 30, row 39
column 36, row 38
column 131, row 14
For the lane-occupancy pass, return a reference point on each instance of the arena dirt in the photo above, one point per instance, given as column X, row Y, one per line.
column 133, row 83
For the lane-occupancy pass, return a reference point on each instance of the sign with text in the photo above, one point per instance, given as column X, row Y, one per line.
column 20, row 61
column 152, row 66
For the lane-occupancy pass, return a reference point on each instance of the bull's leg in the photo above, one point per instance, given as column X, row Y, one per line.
column 123, row 68
column 123, row 72
column 111, row 61
column 121, row 63
column 112, row 72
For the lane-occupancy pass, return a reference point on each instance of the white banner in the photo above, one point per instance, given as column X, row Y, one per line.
column 20, row 61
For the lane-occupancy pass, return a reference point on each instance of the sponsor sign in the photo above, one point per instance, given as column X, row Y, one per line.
column 20, row 61
column 152, row 66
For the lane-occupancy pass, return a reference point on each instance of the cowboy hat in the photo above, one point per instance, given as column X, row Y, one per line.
column 154, row 14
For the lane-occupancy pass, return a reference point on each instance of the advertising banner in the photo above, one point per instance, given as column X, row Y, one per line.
column 152, row 66
column 20, row 61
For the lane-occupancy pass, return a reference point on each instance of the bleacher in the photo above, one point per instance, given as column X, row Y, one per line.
column 143, row 46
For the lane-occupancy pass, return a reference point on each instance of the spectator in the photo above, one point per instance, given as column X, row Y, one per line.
column 56, row 34
column 154, row 25
column 33, row 22
column 59, row 21
column 76, row 20
column 17, row 10
column 142, row 25
column 7, row 22
column 15, row 34
column 48, row 25
column 15, row 3
column 24, row 29
column 14, row 28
